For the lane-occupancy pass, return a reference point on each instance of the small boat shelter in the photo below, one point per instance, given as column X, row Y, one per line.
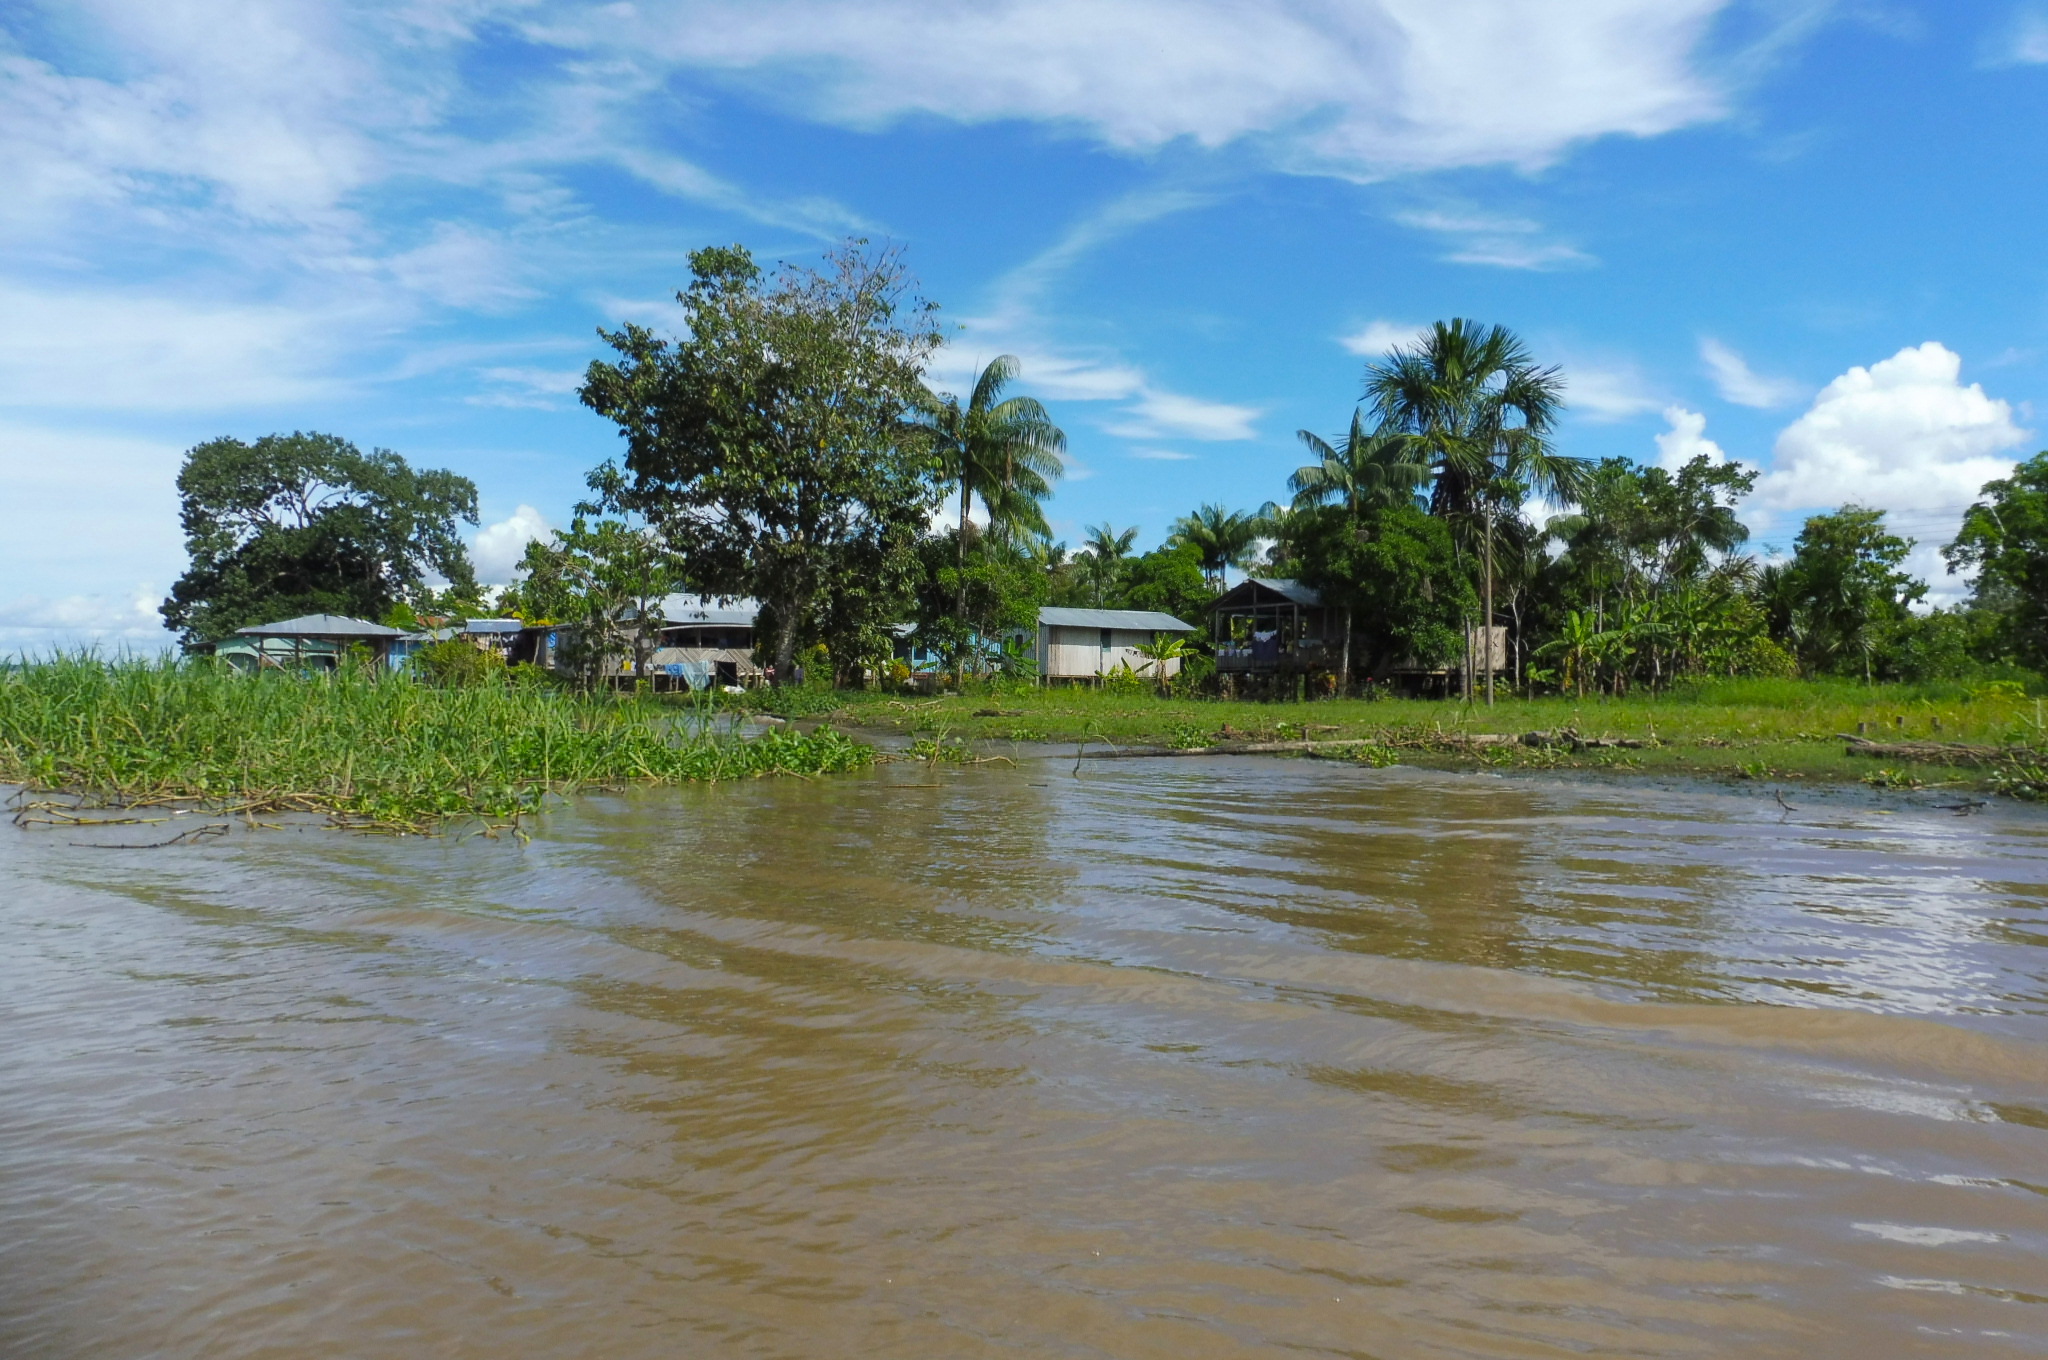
column 309, row 641
column 1087, row 644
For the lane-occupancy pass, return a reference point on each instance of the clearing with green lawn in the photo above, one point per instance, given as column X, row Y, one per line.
column 1990, row 738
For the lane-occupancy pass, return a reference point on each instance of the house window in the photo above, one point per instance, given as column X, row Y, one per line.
column 1105, row 639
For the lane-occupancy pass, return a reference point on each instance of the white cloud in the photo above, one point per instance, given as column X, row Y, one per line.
column 459, row 266
column 1605, row 394
column 1039, row 372
column 1488, row 239
column 1151, row 412
column 2025, row 43
column 1161, row 455
column 84, row 507
column 543, row 389
column 34, row 625
column 1685, row 440
column 498, row 547
column 103, row 349
column 1156, row 413
column 1903, row 435
column 1361, row 88
column 1738, row 382
column 1375, row 338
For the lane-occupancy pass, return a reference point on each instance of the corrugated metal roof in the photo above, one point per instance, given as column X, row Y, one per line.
column 492, row 626
column 321, row 625
column 684, row 610
column 1290, row 590
column 1293, row 590
column 1145, row 619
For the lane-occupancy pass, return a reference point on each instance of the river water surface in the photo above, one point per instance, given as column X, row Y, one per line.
column 1175, row 1058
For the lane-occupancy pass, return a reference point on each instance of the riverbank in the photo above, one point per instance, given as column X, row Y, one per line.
column 1990, row 740
column 366, row 750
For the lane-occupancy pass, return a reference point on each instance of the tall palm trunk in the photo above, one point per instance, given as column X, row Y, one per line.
column 1344, row 658
column 960, row 581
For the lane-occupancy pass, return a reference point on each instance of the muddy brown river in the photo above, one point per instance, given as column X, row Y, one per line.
column 1175, row 1058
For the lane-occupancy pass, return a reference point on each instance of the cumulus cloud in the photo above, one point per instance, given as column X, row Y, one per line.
column 498, row 547
column 1736, row 381
column 1375, row 338
column 1685, row 440
column 1904, row 434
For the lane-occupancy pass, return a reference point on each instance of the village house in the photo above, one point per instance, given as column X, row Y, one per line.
column 1083, row 645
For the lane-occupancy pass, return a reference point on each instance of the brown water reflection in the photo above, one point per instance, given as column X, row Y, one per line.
column 1179, row 1058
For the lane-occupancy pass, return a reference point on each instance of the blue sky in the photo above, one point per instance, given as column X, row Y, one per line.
column 1804, row 235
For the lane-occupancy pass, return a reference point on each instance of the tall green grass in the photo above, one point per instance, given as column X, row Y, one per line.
column 368, row 747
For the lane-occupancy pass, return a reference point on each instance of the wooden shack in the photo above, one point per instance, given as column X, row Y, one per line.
column 704, row 642
column 1083, row 645
column 1265, row 626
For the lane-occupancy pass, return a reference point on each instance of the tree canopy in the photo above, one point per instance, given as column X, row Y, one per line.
column 2004, row 537
column 308, row 523
column 776, row 445
column 1396, row 569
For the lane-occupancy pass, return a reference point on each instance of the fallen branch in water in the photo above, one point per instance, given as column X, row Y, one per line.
column 211, row 831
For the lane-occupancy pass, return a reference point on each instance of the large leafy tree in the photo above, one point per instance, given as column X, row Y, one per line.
column 608, row 579
column 2004, row 537
column 307, row 524
column 1844, row 591
column 1169, row 579
column 1641, row 532
column 980, row 598
column 1396, row 570
column 1481, row 412
column 777, row 445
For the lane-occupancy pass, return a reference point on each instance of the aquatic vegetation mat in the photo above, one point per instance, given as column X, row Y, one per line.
column 365, row 749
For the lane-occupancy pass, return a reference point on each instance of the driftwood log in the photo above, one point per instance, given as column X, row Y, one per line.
column 1234, row 748
column 1930, row 752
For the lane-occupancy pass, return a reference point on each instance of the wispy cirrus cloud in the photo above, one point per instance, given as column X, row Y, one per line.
column 1367, row 88
column 1738, row 382
column 1495, row 239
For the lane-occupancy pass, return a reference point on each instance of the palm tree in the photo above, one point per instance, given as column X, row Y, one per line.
column 1481, row 411
column 1368, row 469
column 1101, row 560
column 1577, row 643
column 1006, row 451
column 1164, row 647
column 1224, row 538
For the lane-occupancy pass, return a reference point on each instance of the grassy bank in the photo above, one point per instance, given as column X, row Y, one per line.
column 1738, row 729
column 368, row 749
